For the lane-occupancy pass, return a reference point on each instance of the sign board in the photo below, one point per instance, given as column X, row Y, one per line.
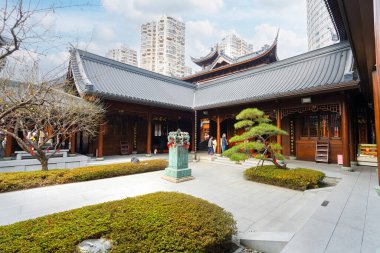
column 340, row 159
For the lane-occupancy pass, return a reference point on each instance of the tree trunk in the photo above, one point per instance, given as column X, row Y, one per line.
column 44, row 164
column 278, row 165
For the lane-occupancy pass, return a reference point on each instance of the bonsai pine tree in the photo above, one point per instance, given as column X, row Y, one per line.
column 257, row 134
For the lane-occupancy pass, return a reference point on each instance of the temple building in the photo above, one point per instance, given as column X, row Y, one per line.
column 308, row 95
column 328, row 96
column 217, row 64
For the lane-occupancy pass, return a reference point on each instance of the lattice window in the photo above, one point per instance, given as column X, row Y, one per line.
column 311, row 108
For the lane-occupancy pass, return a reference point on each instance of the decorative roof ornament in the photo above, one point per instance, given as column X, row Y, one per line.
column 218, row 60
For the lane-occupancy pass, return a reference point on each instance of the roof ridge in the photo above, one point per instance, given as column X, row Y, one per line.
column 134, row 69
column 291, row 60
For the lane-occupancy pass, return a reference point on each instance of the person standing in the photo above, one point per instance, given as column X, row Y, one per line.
column 210, row 150
column 224, row 143
column 214, row 143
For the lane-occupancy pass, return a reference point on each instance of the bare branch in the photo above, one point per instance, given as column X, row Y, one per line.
column 47, row 125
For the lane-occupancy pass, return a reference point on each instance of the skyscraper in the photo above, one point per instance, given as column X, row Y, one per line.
column 163, row 47
column 234, row 46
column 123, row 54
column 188, row 71
column 320, row 29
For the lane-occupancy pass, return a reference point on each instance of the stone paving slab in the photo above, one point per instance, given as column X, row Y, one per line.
column 349, row 223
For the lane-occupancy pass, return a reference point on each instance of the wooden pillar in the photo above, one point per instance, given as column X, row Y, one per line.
column 352, row 128
column 49, row 131
column 376, row 107
column 376, row 85
column 72, row 144
column 8, row 147
column 278, row 123
column 149, row 135
column 218, row 142
column 99, row 154
column 345, row 135
column 194, row 134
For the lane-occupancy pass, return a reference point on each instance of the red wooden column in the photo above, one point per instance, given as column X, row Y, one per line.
column 72, row 144
column 149, row 135
column 376, row 84
column 99, row 155
column 278, row 123
column 376, row 107
column 8, row 147
column 194, row 134
column 345, row 135
column 218, row 149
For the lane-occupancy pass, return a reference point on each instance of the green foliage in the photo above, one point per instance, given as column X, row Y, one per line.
column 158, row 222
column 259, row 156
column 252, row 114
column 243, row 124
column 297, row 179
column 258, row 131
column 239, row 157
column 14, row 181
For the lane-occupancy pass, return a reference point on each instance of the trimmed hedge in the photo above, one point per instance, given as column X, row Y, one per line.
column 297, row 179
column 14, row 181
column 157, row 222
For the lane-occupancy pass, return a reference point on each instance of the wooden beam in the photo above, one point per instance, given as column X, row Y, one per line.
column 345, row 135
column 149, row 135
column 99, row 154
column 218, row 150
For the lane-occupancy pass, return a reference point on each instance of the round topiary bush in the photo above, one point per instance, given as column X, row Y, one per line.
column 158, row 222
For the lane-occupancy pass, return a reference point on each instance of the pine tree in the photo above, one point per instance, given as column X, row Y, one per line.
column 257, row 134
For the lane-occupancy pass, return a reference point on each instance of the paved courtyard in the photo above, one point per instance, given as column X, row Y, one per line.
column 349, row 223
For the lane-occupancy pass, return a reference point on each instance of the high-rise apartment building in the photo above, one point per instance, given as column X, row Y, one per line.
column 188, row 71
column 234, row 46
column 320, row 29
column 163, row 47
column 123, row 54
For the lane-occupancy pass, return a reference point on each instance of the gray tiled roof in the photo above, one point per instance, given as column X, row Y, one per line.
column 213, row 53
column 232, row 60
column 320, row 70
column 119, row 81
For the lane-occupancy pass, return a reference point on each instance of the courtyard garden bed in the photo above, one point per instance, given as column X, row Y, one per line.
column 157, row 222
column 13, row 181
column 297, row 179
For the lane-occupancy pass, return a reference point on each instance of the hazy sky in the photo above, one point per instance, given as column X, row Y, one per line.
column 97, row 26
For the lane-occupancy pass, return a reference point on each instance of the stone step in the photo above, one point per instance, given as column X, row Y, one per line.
column 268, row 242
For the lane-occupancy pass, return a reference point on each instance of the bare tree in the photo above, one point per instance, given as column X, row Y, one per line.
column 20, row 29
column 15, row 95
column 34, row 105
column 21, row 26
column 46, row 126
